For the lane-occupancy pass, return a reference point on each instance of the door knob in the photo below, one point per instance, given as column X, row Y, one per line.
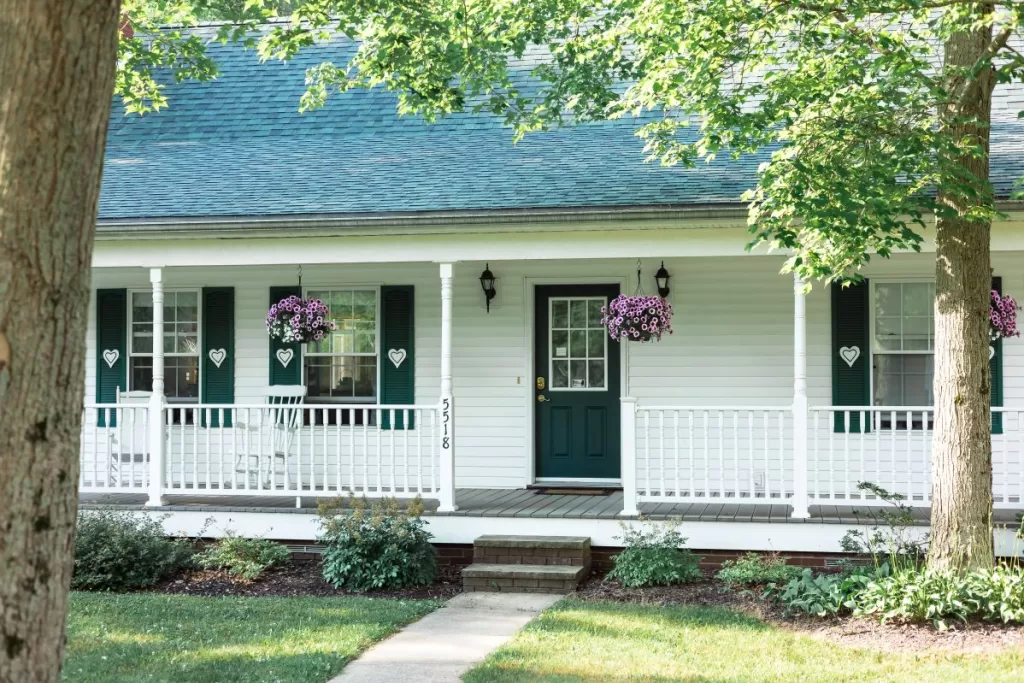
column 541, row 398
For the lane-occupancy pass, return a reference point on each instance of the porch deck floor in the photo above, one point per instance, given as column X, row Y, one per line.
column 530, row 503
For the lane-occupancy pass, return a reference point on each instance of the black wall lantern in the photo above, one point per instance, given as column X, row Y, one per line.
column 487, row 283
column 662, row 277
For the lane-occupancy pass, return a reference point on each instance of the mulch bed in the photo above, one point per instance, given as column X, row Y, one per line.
column 299, row 579
column 847, row 631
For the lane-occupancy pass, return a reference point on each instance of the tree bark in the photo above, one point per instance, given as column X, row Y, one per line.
column 57, row 66
column 961, row 517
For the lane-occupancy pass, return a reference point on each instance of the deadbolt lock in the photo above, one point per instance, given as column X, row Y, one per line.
column 540, row 384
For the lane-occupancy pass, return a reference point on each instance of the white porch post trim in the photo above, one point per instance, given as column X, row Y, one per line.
column 157, row 443
column 800, row 410
column 447, row 493
column 628, row 440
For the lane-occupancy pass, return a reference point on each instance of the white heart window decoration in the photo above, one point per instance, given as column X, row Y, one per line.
column 217, row 356
column 111, row 356
column 285, row 356
column 850, row 354
column 397, row 356
column 991, row 352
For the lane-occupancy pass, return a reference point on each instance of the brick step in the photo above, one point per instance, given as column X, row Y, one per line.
column 522, row 578
column 572, row 551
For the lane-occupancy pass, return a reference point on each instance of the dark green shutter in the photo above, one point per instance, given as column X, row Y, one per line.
column 851, row 386
column 397, row 333
column 111, row 335
column 218, row 336
column 292, row 373
column 995, row 365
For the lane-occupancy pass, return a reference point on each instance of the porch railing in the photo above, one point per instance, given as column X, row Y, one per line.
column 250, row 450
column 738, row 455
column 741, row 455
column 115, row 452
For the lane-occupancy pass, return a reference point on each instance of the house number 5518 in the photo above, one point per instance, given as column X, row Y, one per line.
column 446, row 417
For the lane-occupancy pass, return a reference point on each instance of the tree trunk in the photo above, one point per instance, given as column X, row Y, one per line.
column 57, row 65
column 962, row 447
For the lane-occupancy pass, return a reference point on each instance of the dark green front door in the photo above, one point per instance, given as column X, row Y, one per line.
column 576, row 388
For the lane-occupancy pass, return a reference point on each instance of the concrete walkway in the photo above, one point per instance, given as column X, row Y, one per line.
column 443, row 645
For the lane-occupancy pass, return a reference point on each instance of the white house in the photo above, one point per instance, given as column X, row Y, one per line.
column 754, row 421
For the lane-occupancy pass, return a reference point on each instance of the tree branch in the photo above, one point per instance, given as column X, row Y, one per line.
column 971, row 86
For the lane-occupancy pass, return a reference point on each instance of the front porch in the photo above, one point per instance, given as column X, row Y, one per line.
column 533, row 504
column 724, row 421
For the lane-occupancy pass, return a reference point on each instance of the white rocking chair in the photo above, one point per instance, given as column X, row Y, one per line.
column 269, row 438
column 129, row 440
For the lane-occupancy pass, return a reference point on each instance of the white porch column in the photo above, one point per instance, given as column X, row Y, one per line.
column 447, row 493
column 628, row 441
column 157, row 442
column 800, row 409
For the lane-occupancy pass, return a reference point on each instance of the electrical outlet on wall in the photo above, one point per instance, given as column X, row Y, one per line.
column 759, row 478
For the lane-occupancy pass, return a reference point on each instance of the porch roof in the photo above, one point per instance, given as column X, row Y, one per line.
column 237, row 147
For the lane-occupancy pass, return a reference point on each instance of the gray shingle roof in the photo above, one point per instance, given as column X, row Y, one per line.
column 237, row 146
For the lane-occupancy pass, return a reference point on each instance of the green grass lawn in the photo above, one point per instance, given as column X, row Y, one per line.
column 185, row 639
column 593, row 641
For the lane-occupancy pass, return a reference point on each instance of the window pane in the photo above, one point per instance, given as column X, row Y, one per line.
column 578, row 344
column 181, row 377
column 888, row 333
column 560, row 374
column 560, row 313
column 917, row 334
column 559, row 344
column 595, row 370
column 140, row 374
column 365, row 306
column 577, row 313
column 903, row 380
column 595, row 343
column 142, row 338
column 142, row 307
column 888, row 300
column 187, row 307
column 918, row 298
column 594, row 313
column 577, row 374
column 366, row 378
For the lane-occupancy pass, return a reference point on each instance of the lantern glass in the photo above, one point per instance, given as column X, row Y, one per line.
column 661, row 278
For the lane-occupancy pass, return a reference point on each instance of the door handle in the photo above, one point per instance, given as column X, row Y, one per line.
column 541, row 398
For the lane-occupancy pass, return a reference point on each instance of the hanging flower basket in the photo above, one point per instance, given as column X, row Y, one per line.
column 299, row 320
column 637, row 318
column 1002, row 317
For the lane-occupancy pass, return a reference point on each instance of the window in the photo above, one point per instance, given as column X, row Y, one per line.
column 343, row 367
column 579, row 344
column 181, row 344
column 903, row 343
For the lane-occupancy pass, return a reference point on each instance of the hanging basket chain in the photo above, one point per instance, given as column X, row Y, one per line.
column 639, row 280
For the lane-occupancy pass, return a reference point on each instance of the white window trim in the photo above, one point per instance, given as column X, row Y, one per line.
column 872, row 351
column 352, row 401
column 198, row 355
column 551, row 354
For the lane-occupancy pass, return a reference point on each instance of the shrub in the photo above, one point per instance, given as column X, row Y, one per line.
column 755, row 569
column 244, row 558
column 940, row 596
column 378, row 547
column 120, row 551
column 654, row 556
column 825, row 595
column 897, row 540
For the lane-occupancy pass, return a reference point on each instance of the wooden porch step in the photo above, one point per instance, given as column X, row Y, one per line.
column 571, row 551
column 522, row 578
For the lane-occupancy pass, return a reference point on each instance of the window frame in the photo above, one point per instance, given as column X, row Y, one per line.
column 883, row 419
column 551, row 344
column 303, row 354
column 130, row 346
